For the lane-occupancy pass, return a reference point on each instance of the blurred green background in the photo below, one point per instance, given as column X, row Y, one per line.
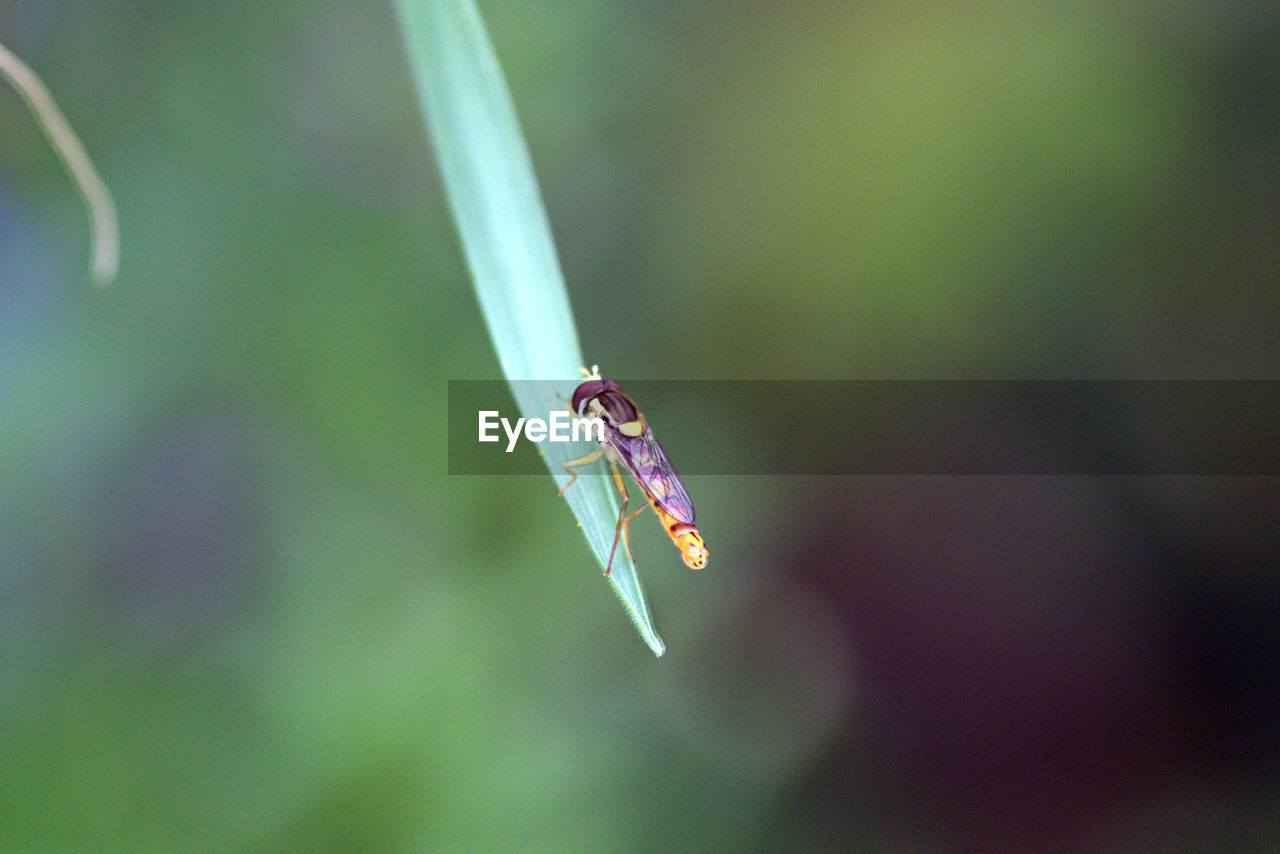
column 243, row 608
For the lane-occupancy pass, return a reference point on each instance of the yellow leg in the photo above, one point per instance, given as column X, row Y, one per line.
column 580, row 461
column 626, row 530
column 622, row 488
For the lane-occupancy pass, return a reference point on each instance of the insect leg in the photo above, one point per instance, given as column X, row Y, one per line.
column 622, row 488
column 626, row 530
column 580, row 461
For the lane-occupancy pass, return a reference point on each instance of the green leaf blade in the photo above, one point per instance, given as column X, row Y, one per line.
column 507, row 242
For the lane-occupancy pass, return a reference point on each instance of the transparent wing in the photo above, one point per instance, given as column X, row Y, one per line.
column 649, row 465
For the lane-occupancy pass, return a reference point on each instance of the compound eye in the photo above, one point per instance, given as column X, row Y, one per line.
column 584, row 393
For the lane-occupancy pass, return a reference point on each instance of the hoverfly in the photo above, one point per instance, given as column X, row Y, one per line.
column 629, row 441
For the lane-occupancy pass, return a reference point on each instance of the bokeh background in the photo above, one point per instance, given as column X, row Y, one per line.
column 242, row 607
